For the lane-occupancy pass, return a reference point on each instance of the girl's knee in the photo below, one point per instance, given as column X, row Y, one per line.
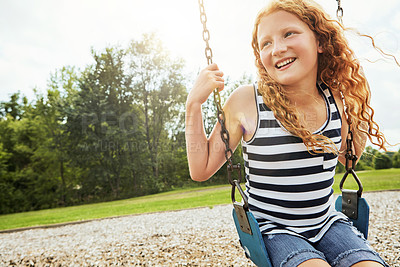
column 314, row 263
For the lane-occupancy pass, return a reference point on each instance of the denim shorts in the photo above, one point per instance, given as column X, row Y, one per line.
column 341, row 246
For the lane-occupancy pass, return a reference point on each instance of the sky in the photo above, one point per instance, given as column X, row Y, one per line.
column 41, row 36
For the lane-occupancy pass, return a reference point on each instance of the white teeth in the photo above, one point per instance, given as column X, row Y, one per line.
column 283, row 63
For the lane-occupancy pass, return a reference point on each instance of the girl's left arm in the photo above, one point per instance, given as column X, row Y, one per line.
column 359, row 138
column 359, row 133
column 359, row 141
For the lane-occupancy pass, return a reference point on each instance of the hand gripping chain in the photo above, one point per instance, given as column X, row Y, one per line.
column 221, row 114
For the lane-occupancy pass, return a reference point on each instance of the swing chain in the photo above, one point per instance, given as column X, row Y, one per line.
column 206, row 33
column 350, row 156
column 350, row 168
column 339, row 12
column 217, row 96
column 221, row 119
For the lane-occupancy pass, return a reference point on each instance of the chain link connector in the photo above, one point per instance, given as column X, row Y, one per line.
column 339, row 12
column 217, row 101
column 206, row 35
column 353, row 173
column 350, row 156
column 203, row 16
column 236, row 184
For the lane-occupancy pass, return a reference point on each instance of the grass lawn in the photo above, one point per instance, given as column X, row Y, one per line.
column 179, row 199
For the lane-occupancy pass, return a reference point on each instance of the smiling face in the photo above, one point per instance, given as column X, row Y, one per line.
column 288, row 49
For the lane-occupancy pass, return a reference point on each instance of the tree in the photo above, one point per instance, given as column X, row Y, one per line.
column 13, row 108
column 158, row 87
column 382, row 161
column 396, row 160
column 114, row 130
column 6, row 188
column 367, row 158
column 340, row 168
column 52, row 111
column 102, row 125
column 18, row 135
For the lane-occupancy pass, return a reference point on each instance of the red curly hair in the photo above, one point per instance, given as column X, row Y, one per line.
column 338, row 67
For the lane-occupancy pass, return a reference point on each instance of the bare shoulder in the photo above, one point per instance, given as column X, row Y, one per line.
column 242, row 95
column 242, row 108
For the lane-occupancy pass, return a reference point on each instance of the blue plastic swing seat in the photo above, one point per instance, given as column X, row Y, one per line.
column 253, row 244
column 362, row 221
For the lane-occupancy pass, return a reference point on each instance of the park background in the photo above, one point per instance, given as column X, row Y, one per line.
column 92, row 93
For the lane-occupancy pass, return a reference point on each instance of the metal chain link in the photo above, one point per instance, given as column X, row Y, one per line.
column 206, row 33
column 339, row 12
column 217, row 96
column 350, row 156
column 351, row 160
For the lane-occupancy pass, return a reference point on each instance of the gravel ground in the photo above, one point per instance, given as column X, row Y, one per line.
column 196, row 237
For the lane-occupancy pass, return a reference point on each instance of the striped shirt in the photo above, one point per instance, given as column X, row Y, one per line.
column 290, row 190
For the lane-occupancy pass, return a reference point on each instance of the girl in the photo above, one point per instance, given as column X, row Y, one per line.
column 292, row 124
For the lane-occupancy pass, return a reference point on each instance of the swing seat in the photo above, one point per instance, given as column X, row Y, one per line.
column 253, row 244
column 361, row 221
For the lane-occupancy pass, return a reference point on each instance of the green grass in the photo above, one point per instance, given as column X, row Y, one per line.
column 174, row 200
column 375, row 180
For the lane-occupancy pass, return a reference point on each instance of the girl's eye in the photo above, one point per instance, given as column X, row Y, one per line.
column 289, row 34
column 267, row 43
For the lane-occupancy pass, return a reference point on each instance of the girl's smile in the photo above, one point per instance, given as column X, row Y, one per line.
column 284, row 63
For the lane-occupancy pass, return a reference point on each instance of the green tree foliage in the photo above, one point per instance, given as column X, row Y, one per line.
column 340, row 168
column 159, row 92
column 366, row 161
column 113, row 130
column 101, row 123
column 382, row 161
column 396, row 160
column 53, row 111
column 6, row 196
column 19, row 135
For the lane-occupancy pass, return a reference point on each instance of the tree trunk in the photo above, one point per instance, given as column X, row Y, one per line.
column 150, row 146
column 63, row 189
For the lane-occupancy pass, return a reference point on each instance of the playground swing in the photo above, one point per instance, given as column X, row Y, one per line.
column 350, row 202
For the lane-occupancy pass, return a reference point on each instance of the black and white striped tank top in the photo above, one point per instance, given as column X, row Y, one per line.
column 289, row 189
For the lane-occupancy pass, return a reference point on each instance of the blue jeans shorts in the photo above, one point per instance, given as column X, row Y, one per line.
column 341, row 246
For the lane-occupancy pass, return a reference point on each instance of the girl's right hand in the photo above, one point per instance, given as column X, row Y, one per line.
column 209, row 79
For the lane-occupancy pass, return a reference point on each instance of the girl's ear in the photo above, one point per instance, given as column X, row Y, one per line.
column 320, row 50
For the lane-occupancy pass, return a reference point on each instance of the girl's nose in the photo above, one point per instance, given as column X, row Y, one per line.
column 279, row 48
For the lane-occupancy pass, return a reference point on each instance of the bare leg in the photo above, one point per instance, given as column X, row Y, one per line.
column 367, row 264
column 315, row 263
